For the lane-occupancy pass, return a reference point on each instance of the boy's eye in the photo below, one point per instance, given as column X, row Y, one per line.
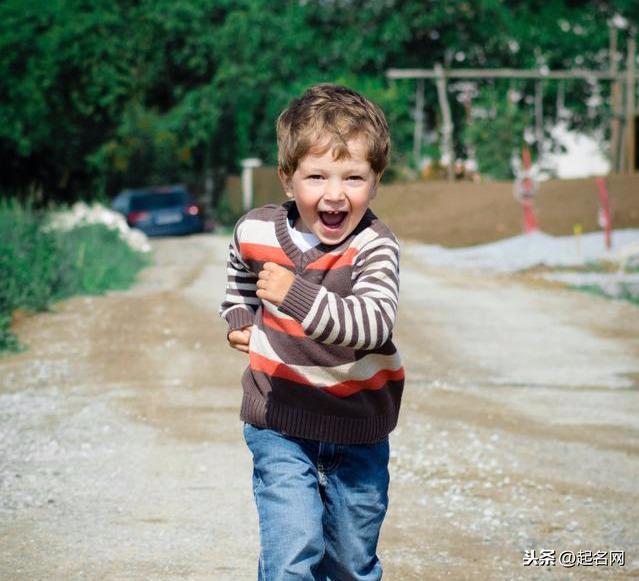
column 315, row 177
column 355, row 178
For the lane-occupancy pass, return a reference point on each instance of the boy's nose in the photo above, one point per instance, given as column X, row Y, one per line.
column 334, row 191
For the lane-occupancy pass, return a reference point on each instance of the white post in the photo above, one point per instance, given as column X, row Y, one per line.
column 247, row 181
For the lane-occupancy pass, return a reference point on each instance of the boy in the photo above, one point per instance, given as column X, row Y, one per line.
column 312, row 297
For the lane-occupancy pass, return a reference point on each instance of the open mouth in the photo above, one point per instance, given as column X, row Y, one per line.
column 333, row 220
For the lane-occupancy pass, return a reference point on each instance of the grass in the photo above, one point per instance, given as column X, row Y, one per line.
column 626, row 292
column 39, row 266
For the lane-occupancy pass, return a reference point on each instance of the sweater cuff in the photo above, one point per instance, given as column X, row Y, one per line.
column 299, row 299
column 238, row 318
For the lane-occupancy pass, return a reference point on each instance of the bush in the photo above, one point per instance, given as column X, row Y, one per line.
column 39, row 266
column 496, row 134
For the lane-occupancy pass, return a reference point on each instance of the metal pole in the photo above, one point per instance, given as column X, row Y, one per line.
column 419, row 124
column 447, row 128
column 630, row 105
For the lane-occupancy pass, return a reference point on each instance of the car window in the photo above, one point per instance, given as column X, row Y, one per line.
column 157, row 201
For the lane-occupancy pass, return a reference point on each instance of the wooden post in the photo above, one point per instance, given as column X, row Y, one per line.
column 447, row 129
column 561, row 101
column 630, row 105
column 419, row 124
column 539, row 119
column 615, row 98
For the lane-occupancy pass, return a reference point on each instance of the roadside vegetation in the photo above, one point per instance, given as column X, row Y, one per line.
column 611, row 280
column 626, row 292
column 40, row 265
column 178, row 99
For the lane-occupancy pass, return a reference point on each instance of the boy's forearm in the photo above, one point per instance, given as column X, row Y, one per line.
column 363, row 320
column 240, row 301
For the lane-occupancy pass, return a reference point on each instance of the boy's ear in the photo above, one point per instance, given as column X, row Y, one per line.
column 285, row 180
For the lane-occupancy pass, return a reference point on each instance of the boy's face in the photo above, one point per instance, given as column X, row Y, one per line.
column 332, row 195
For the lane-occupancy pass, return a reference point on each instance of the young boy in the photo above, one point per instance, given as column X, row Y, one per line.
column 312, row 297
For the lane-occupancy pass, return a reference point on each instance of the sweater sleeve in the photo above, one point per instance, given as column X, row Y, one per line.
column 362, row 320
column 241, row 302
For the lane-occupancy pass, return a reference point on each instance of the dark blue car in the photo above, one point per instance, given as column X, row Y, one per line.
column 161, row 211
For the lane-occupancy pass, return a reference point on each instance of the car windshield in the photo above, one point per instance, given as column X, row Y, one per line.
column 158, row 200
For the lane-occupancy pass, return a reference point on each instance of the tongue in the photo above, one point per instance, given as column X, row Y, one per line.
column 331, row 219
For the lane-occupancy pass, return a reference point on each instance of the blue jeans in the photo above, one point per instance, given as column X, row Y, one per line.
column 320, row 507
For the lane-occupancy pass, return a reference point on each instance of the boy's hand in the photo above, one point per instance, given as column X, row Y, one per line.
column 273, row 283
column 239, row 339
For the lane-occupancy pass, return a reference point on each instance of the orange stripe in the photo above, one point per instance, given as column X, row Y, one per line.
column 344, row 389
column 289, row 326
column 332, row 261
column 274, row 368
column 264, row 253
column 379, row 380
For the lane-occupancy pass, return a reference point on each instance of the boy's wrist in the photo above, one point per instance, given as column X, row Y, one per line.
column 238, row 318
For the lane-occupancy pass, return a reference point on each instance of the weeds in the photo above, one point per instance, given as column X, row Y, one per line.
column 38, row 267
column 628, row 293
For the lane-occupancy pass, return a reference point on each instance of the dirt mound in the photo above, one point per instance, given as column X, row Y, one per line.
column 465, row 213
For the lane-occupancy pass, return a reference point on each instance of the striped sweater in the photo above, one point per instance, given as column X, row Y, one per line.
column 322, row 365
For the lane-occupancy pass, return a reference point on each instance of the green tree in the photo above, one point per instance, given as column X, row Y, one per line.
column 96, row 94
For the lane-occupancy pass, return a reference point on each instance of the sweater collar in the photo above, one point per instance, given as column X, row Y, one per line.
column 288, row 210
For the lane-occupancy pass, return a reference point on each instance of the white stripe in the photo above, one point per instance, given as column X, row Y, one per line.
column 239, row 300
column 372, row 320
column 314, row 307
column 332, row 307
column 319, row 328
column 271, row 308
column 229, row 309
column 321, row 376
column 348, row 325
column 371, row 289
column 239, row 273
column 241, row 285
column 359, row 325
column 390, row 309
column 258, row 232
column 363, row 238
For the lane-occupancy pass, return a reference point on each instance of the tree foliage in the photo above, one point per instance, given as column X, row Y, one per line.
column 102, row 94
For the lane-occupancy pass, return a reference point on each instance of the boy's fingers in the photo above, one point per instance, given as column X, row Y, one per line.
column 272, row 267
column 239, row 337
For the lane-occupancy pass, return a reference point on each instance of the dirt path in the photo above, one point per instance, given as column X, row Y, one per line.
column 121, row 455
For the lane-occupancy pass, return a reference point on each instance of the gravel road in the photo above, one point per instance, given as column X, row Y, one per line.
column 122, row 458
